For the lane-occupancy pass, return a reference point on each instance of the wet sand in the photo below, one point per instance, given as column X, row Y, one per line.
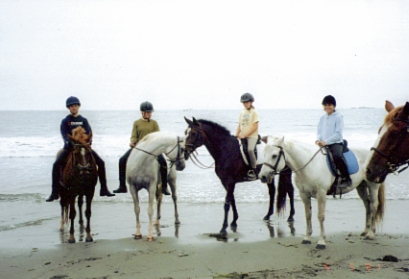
column 257, row 250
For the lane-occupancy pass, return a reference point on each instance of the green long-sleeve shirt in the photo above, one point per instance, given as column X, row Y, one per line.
column 142, row 128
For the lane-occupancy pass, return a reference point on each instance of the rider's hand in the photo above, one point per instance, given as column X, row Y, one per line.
column 323, row 143
column 317, row 142
column 132, row 145
column 240, row 137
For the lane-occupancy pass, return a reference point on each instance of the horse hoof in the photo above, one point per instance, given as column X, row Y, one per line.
column 363, row 234
column 266, row 218
column 306, row 242
column 320, row 246
column 89, row 239
column 150, row 239
column 177, row 222
column 137, row 236
column 71, row 241
column 369, row 237
column 290, row 219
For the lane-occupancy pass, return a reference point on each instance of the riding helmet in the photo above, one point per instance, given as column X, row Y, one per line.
column 246, row 97
column 329, row 100
column 72, row 101
column 146, row 107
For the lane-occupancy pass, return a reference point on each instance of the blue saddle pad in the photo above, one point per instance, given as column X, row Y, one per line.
column 352, row 162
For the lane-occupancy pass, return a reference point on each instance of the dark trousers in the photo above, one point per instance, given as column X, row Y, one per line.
column 337, row 153
column 60, row 162
column 122, row 169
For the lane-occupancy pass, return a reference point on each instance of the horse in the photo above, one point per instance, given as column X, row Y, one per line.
column 391, row 151
column 79, row 178
column 231, row 168
column 142, row 172
column 313, row 179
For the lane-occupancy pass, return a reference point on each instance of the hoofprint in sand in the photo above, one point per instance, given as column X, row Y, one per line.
column 258, row 249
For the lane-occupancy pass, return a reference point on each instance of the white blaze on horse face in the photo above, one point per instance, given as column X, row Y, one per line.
column 383, row 130
column 83, row 152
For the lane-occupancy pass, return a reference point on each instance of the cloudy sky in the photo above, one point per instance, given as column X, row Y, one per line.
column 202, row 54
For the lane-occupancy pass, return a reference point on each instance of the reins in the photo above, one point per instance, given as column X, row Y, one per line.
column 172, row 162
column 199, row 164
column 282, row 154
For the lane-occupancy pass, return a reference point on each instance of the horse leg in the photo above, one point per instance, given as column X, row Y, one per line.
column 290, row 192
column 172, row 184
column 88, row 215
column 159, row 196
column 229, row 198
column 307, row 207
column 152, row 193
column 233, row 224
column 62, row 221
column 322, row 199
column 362, row 190
column 272, row 193
column 373, row 206
column 72, row 217
column 81, row 221
column 137, row 210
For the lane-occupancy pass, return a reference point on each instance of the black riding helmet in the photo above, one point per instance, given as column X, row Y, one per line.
column 146, row 107
column 329, row 100
column 246, row 97
column 72, row 101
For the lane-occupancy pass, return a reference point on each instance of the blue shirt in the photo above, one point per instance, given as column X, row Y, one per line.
column 69, row 123
column 330, row 128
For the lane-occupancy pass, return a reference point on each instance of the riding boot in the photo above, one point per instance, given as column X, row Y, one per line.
column 102, row 176
column 56, row 176
column 122, row 172
column 346, row 179
column 163, row 168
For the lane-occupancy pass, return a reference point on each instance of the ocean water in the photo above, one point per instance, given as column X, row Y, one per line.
column 29, row 141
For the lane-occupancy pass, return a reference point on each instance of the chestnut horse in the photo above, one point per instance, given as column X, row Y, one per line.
column 231, row 168
column 391, row 151
column 79, row 178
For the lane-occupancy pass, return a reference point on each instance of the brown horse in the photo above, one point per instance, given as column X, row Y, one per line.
column 391, row 151
column 79, row 178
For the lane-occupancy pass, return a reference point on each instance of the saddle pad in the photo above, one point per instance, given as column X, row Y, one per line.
column 352, row 163
column 260, row 153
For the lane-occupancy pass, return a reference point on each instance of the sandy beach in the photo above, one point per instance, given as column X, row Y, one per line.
column 257, row 250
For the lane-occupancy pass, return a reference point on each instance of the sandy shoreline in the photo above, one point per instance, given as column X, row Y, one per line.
column 258, row 249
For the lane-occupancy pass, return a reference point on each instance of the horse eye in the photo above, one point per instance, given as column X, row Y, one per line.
column 274, row 156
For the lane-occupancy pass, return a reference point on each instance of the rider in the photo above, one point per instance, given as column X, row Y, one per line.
column 330, row 135
column 142, row 127
column 248, row 129
column 69, row 123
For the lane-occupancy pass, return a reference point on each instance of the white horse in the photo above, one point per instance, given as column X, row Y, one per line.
column 142, row 172
column 313, row 179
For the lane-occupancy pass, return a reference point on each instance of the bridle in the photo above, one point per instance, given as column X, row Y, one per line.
column 192, row 156
column 281, row 154
column 399, row 167
column 179, row 156
column 88, row 167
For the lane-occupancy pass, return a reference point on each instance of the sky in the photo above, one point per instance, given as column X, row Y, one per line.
column 116, row 54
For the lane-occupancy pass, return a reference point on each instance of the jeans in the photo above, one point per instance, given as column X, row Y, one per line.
column 337, row 152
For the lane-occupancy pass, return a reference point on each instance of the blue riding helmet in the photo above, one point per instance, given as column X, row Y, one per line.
column 72, row 101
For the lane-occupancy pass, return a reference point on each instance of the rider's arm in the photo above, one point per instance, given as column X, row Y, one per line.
column 319, row 130
column 238, row 130
column 134, row 134
column 156, row 127
column 64, row 133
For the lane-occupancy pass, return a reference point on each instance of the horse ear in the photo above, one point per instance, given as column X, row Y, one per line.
column 70, row 137
column 282, row 140
column 405, row 110
column 389, row 106
column 195, row 121
column 189, row 122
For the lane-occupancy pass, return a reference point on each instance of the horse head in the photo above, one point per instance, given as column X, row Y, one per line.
column 194, row 136
column 83, row 160
column 274, row 159
column 392, row 146
column 176, row 154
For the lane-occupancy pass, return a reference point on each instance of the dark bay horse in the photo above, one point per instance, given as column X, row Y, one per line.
column 391, row 151
column 79, row 178
column 230, row 167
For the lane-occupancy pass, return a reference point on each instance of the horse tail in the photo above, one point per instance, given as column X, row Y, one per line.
column 284, row 185
column 381, row 204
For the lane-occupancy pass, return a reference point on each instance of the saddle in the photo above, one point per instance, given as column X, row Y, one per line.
column 352, row 164
column 350, row 159
column 258, row 149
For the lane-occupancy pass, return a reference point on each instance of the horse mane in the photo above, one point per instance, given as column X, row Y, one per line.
column 391, row 115
column 79, row 135
column 217, row 128
column 160, row 136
